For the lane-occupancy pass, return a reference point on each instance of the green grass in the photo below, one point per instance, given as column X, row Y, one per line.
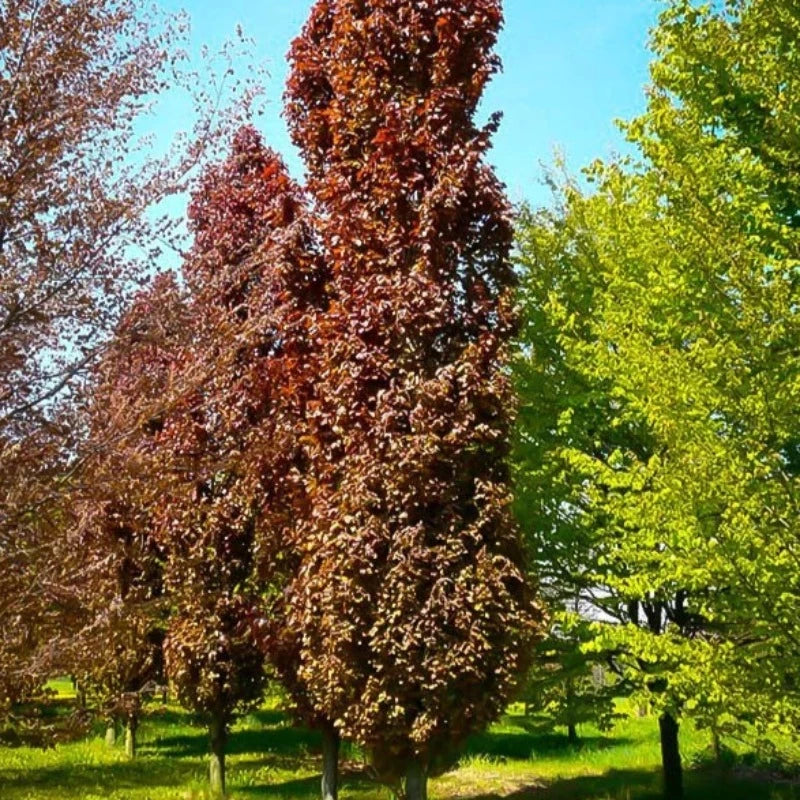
column 269, row 758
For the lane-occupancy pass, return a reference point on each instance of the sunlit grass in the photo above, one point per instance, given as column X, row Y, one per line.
column 270, row 758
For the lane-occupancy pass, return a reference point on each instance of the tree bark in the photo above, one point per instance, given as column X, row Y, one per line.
column 131, row 724
column 218, row 734
column 671, row 757
column 330, row 763
column 111, row 732
column 416, row 780
column 716, row 745
column 572, row 733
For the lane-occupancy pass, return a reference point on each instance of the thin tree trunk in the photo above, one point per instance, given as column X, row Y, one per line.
column 716, row 745
column 671, row 757
column 330, row 763
column 111, row 731
column 572, row 733
column 131, row 724
column 216, row 766
column 416, row 781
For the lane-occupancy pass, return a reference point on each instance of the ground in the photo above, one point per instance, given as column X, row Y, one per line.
column 269, row 758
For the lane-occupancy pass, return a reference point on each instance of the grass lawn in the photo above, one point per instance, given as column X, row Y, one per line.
column 268, row 758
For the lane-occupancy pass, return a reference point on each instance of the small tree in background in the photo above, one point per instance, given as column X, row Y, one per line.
column 112, row 552
column 566, row 685
column 411, row 598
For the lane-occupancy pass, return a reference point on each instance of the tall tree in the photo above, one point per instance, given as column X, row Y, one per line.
column 75, row 242
column 411, row 594
column 670, row 376
column 253, row 277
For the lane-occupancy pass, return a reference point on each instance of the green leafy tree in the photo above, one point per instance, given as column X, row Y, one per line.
column 568, row 686
column 662, row 333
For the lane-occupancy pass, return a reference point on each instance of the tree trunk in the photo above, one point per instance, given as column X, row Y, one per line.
column 330, row 763
column 671, row 757
column 216, row 767
column 131, row 724
column 111, row 732
column 716, row 745
column 416, row 781
column 572, row 733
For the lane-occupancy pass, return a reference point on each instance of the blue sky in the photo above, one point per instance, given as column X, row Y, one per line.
column 571, row 67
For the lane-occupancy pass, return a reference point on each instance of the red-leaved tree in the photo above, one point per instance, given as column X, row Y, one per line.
column 410, row 596
column 109, row 552
column 231, row 441
column 77, row 238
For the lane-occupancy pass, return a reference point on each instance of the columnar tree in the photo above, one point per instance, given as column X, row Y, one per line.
column 411, row 595
column 673, row 291
column 252, row 276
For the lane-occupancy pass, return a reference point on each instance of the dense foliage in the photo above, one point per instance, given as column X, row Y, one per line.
column 294, row 458
column 411, row 599
column 660, row 376
column 78, row 237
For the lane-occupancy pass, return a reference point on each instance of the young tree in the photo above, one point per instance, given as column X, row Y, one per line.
column 411, row 596
column 672, row 292
column 113, row 555
column 253, row 277
column 569, row 685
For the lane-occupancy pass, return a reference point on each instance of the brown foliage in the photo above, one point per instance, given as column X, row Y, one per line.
column 411, row 601
column 73, row 77
column 116, row 562
column 254, row 281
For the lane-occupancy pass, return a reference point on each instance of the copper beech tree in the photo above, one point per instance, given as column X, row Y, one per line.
column 75, row 183
column 67, row 210
column 252, row 278
column 410, row 597
column 112, row 552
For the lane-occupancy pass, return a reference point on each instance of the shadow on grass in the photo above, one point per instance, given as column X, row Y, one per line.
column 646, row 785
column 82, row 779
column 302, row 788
column 526, row 745
column 284, row 741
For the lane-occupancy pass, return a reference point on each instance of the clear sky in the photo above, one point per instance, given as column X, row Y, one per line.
column 571, row 67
